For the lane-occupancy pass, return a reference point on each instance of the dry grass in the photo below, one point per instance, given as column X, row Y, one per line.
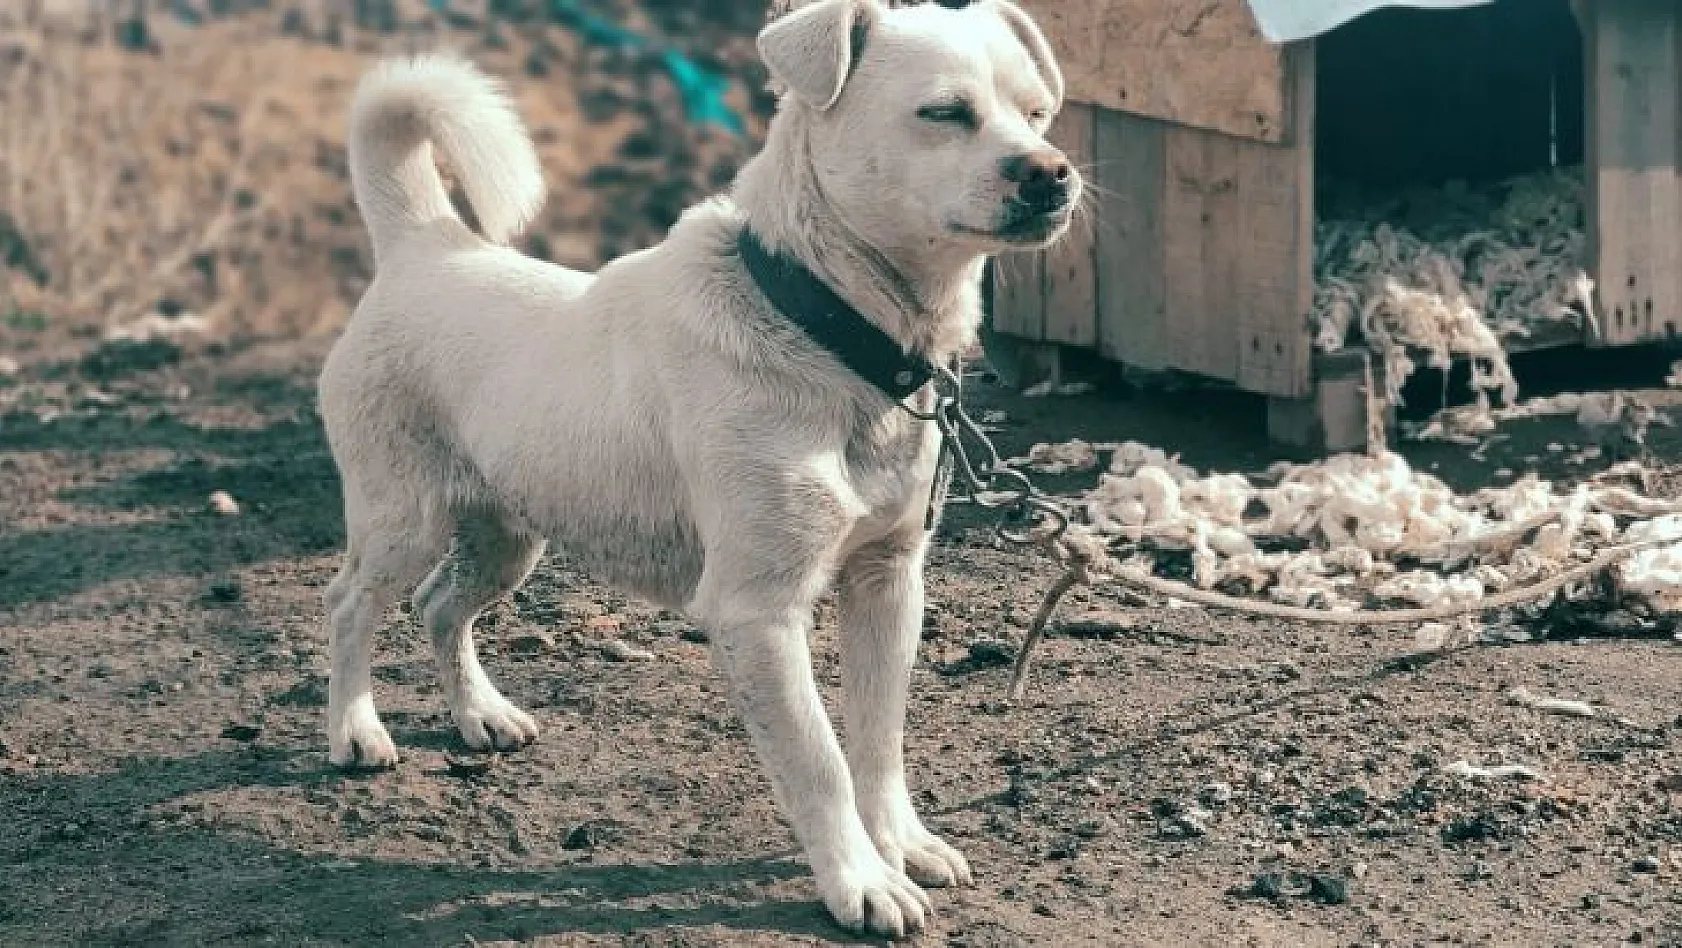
column 154, row 181
column 207, row 176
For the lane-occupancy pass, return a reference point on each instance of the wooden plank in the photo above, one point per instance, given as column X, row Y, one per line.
column 1201, row 63
column 1019, row 294
column 1197, row 269
column 1276, row 275
column 1237, row 238
column 1633, row 158
column 1129, row 172
column 1071, row 277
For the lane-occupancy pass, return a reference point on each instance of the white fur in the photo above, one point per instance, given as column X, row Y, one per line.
column 401, row 110
column 667, row 429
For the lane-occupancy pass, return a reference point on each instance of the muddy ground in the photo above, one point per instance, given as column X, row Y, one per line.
column 1175, row 778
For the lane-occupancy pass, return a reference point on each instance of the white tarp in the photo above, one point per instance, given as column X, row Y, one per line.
column 1284, row 21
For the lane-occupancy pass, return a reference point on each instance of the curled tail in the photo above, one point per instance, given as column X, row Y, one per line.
column 404, row 108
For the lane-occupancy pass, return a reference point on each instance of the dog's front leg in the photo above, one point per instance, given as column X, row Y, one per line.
column 881, row 611
column 759, row 632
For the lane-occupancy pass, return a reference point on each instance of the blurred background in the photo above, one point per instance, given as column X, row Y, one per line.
column 178, row 166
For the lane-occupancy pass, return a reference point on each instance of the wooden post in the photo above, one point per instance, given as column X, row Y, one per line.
column 1634, row 151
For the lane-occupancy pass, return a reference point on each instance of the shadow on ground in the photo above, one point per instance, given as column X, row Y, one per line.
column 132, row 880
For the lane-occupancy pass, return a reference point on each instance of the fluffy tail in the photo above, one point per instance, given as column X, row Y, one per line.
column 401, row 110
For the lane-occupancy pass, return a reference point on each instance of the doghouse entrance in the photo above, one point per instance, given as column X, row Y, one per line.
column 1409, row 97
column 1449, row 149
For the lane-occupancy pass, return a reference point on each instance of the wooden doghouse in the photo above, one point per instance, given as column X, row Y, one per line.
column 1205, row 143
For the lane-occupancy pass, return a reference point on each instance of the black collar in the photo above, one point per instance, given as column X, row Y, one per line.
column 830, row 321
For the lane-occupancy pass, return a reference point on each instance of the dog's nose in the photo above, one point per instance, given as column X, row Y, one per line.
column 1042, row 178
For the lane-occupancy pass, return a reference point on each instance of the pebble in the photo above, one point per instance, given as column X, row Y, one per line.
column 621, row 651
column 9, row 367
column 1645, row 864
column 223, row 503
column 1215, row 794
column 532, row 643
column 467, row 767
column 590, row 834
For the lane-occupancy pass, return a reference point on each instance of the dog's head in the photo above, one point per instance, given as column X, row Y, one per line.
column 927, row 123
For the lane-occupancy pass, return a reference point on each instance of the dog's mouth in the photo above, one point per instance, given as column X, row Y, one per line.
column 1021, row 224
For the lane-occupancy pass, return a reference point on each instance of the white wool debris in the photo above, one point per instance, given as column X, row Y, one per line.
column 1354, row 529
column 1655, row 575
column 1469, row 770
column 1523, row 698
column 1054, row 387
column 158, row 326
column 1483, row 267
column 1069, row 457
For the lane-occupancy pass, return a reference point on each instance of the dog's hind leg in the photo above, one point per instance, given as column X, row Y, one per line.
column 385, row 556
column 487, row 562
column 881, row 619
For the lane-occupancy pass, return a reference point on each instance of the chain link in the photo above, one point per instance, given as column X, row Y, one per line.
column 1026, row 516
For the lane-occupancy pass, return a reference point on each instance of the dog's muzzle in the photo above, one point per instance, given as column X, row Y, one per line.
column 1045, row 183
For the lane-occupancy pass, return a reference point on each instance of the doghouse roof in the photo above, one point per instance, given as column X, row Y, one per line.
column 1284, row 21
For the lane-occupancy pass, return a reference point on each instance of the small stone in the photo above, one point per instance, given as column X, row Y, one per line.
column 467, row 768
column 224, row 591
column 590, row 834
column 1065, row 848
column 1215, row 794
column 1358, row 871
column 1268, row 885
column 1088, row 829
column 9, row 367
column 241, row 732
column 531, row 643
column 1645, row 864
column 70, row 831
column 622, row 651
column 224, row 504
column 696, row 636
column 1190, row 824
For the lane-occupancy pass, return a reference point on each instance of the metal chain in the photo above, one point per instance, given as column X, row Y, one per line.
column 1026, row 516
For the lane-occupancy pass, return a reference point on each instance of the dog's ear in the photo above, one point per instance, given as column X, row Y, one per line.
column 1028, row 32
column 811, row 51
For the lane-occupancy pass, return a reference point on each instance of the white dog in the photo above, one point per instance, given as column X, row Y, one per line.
column 668, row 424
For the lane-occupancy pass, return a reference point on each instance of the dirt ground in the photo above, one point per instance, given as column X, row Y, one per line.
column 1175, row 777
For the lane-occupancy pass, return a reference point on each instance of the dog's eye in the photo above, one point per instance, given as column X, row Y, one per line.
column 1038, row 115
column 949, row 113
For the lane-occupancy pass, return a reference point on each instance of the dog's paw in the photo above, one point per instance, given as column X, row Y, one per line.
column 933, row 862
column 357, row 739
column 905, row 844
column 495, row 723
column 878, row 899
